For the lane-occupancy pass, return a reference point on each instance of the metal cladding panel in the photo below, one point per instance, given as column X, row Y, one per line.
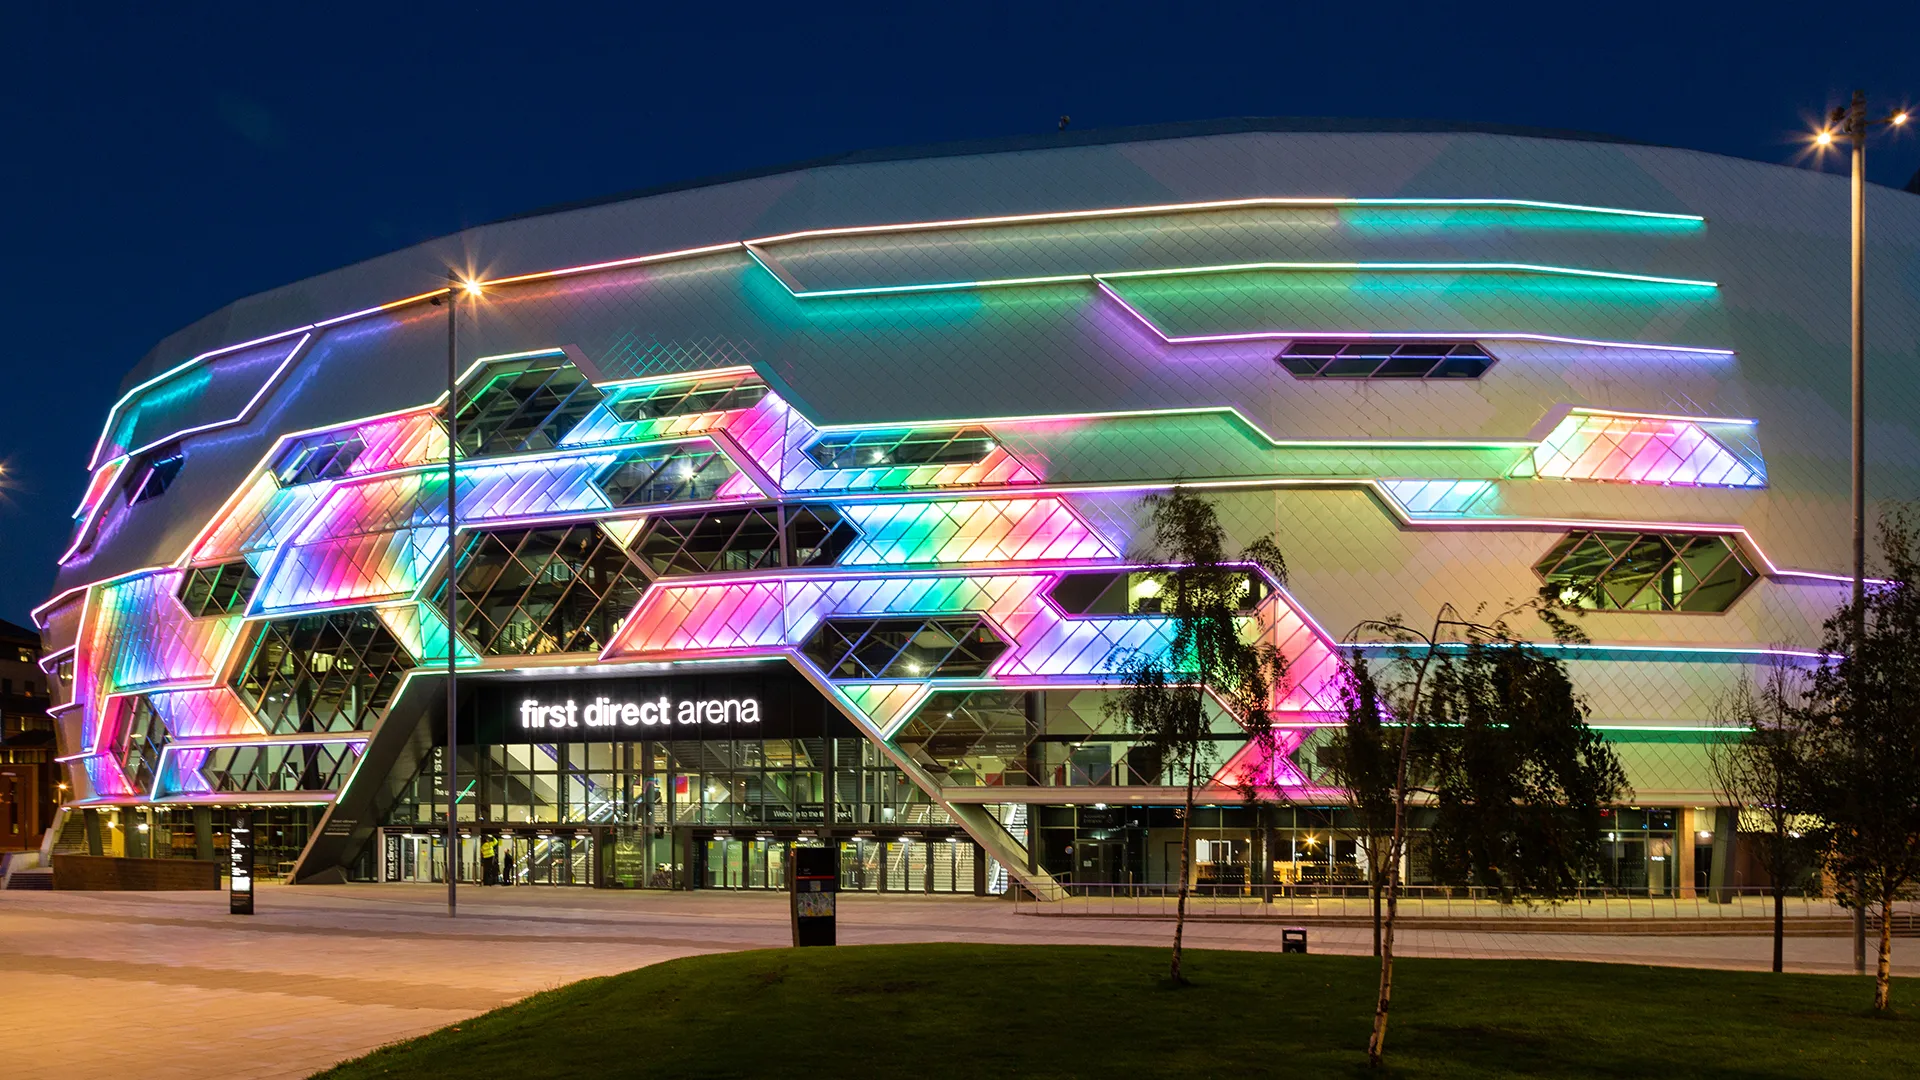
column 1092, row 387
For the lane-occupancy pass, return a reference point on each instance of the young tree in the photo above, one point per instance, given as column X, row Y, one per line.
column 1363, row 761
column 1210, row 648
column 1756, row 765
column 1861, row 766
column 1492, row 731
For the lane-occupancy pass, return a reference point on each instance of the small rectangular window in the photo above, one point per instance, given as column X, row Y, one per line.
column 1384, row 359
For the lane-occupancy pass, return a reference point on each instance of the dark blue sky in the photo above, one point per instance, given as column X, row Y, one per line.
column 160, row 161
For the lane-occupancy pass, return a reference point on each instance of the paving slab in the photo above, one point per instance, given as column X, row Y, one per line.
column 166, row 985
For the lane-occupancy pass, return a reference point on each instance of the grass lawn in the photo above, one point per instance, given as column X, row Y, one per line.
column 935, row 1011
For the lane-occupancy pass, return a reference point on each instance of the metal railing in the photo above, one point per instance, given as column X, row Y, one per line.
column 1354, row 904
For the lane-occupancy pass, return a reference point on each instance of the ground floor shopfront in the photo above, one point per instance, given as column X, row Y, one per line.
column 1649, row 851
column 1645, row 850
column 894, row 861
column 711, row 780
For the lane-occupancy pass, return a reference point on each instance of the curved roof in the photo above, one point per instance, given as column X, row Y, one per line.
column 429, row 259
column 1130, row 133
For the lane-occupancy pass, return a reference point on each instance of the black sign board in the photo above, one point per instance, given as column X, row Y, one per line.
column 815, row 882
column 774, row 703
column 240, row 863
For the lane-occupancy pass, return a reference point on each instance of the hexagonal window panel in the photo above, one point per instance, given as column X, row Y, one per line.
column 747, row 538
column 532, row 592
column 523, row 406
column 684, row 472
column 911, row 446
column 1629, row 571
column 941, row 646
column 221, row 589
column 322, row 673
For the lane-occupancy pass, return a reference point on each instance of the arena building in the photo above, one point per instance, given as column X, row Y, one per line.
column 804, row 506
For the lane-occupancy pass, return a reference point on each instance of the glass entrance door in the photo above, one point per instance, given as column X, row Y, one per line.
column 560, row 859
column 740, row 863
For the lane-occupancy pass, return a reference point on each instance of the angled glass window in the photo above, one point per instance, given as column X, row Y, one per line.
column 322, row 673
column 280, row 767
column 318, row 457
column 1061, row 737
column 530, row 592
column 724, row 541
column 916, row 446
column 524, row 406
column 141, row 744
column 218, row 590
column 817, row 534
column 151, row 479
column 662, row 400
column 1134, row 592
column 1627, row 571
column 956, row 646
column 687, row 472
column 1384, row 359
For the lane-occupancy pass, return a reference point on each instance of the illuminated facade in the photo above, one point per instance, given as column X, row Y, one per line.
column 861, row 445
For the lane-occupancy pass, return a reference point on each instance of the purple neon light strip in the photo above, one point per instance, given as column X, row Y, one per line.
column 1392, row 335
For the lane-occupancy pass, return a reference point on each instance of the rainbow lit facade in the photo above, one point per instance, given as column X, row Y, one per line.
column 771, row 447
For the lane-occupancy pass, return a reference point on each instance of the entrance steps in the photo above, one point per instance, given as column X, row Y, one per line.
column 35, row 880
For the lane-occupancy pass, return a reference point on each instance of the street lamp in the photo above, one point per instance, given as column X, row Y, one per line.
column 1850, row 122
column 456, row 288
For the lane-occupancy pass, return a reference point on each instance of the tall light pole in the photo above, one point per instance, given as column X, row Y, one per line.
column 453, row 594
column 1850, row 121
column 456, row 288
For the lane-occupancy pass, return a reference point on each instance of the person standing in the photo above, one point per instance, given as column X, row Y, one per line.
column 489, row 855
column 508, row 867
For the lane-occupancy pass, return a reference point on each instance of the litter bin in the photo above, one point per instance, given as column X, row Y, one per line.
column 1293, row 939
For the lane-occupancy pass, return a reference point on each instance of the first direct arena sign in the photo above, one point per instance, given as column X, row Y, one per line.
column 540, row 716
column 770, row 703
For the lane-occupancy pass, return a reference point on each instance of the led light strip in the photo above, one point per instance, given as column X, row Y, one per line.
column 1103, row 277
column 189, row 364
column 1254, row 203
column 901, row 227
column 1576, row 647
column 1353, row 335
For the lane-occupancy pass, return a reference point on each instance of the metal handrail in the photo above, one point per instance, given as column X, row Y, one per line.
column 1349, row 902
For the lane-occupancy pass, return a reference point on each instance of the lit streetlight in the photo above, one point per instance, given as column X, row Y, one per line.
column 456, row 288
column 1851, row 122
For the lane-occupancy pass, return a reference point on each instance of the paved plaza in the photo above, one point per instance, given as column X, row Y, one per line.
column 163, row 985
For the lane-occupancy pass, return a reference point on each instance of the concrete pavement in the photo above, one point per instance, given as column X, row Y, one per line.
column 165, row 985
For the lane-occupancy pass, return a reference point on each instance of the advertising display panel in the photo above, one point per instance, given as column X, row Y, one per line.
column 240, row 864
column 815, row 890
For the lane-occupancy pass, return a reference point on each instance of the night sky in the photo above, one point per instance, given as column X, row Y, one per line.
column 160, row 161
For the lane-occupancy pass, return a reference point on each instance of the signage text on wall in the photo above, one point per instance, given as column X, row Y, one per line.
column 602, row 713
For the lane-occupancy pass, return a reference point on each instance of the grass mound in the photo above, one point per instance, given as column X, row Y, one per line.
column 935, row 1011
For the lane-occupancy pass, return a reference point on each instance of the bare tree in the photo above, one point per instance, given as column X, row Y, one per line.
column 1210, row 649
column 1861, row 766
column 1757, row 766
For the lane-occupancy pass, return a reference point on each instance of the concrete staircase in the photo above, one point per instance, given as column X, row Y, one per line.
column 37, row 879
